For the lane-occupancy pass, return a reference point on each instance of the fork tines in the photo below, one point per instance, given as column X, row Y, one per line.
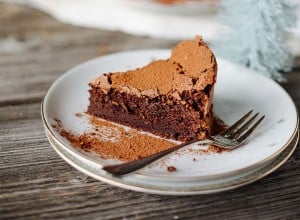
column 240, row 130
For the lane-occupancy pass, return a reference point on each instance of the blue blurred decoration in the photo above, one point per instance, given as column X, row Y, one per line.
column 258, row 34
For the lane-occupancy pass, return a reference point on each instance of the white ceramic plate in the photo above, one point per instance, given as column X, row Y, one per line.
column 170, row 187
column 237, row 91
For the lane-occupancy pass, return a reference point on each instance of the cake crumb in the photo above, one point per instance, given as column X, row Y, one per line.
column 215, row 149
column 171, row 168
column 79, row 114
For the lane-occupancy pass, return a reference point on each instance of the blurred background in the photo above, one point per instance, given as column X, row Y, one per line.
column 166, row 19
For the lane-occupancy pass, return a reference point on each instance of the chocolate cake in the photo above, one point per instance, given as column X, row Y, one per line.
column 171, row 98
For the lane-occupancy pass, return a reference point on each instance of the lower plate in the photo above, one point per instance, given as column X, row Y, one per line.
column 156, row 186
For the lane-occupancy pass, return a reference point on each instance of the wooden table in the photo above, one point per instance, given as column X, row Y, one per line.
column 36, row 183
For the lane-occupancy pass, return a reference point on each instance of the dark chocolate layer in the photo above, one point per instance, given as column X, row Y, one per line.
column 164, row 116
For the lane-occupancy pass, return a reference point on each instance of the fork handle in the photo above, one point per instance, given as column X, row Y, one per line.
column 128, row 167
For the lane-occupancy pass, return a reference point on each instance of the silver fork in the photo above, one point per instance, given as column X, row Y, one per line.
column 231, row 138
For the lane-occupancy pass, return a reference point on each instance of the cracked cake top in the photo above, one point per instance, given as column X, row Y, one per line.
column 192, row 66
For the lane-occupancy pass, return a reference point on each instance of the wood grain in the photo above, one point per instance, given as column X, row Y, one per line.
column 35, row 183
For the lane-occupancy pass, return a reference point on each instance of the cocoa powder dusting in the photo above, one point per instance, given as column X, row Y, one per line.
column 111, row 141
column 166, row 77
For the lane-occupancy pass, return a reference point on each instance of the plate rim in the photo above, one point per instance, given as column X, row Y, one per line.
column 233, row 172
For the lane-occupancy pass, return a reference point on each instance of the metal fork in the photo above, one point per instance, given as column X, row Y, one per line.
column 231, row 138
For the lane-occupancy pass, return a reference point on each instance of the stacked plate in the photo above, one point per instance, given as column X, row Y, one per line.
column 237, row 90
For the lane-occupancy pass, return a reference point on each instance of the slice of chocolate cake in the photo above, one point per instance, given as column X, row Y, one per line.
column 171, row 98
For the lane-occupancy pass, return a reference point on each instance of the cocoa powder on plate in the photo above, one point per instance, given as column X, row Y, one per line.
column 112, row 141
